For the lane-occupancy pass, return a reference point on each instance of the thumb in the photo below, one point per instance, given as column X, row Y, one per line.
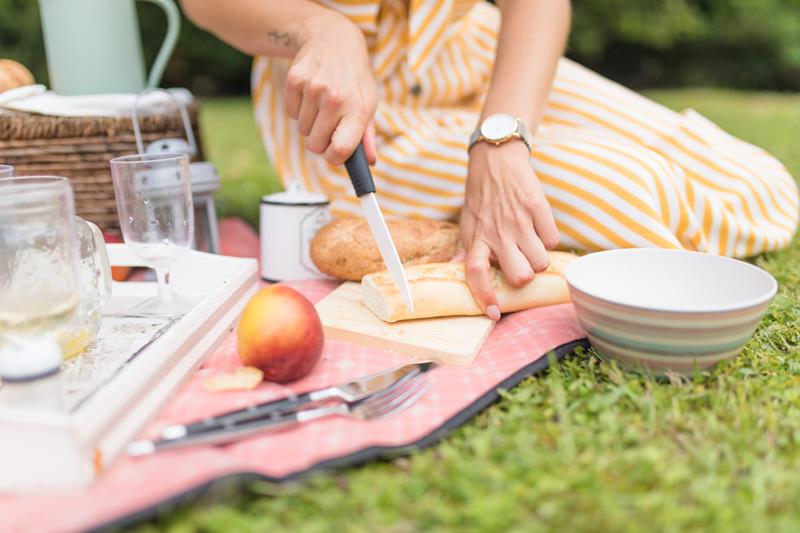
column 460, row 256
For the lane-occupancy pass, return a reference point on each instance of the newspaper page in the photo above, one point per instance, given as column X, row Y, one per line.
column 120, row 340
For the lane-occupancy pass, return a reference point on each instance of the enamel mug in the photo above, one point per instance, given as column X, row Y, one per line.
column 289, row 221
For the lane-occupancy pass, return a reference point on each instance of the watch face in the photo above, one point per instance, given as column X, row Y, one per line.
column 498, row 127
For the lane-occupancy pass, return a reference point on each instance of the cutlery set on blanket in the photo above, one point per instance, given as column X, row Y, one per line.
column 367, row 398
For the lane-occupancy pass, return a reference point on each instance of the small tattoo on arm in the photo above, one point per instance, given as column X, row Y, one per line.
column 285, row 38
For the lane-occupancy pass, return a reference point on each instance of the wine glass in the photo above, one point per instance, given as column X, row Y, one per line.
column 6, row 171
column 154, row 201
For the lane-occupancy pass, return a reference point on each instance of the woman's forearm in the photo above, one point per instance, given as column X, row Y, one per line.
column 532, row 39
column 275, row 28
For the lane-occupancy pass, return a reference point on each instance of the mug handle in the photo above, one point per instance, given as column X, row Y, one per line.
column 105, row 265
column 170, row 39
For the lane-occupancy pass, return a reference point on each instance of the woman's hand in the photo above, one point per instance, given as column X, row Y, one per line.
column 331, row 92
column 506, row 220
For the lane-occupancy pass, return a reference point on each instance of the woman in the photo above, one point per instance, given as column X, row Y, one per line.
column 603, row 168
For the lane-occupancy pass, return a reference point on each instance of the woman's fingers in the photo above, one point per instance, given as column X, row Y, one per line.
column 293, row 93
column 513, row 263
column 369, row 143
column 534, row 251
column 460, row 257
column 321, row 134
column 345, row 138
column 309, row 108
column 478, row 274
column 545, row 225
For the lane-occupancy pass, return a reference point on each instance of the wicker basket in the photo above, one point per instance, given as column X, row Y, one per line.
column 80, row 149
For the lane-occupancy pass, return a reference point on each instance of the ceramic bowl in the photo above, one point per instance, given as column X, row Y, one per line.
column 668, row 310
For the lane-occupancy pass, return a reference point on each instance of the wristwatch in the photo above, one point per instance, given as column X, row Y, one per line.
column 499, row 128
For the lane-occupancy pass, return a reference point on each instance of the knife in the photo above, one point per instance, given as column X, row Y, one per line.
column 383, row 403
column 348, row 392
column 361, row 178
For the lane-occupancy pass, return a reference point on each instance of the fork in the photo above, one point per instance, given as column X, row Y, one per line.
column 376, row 406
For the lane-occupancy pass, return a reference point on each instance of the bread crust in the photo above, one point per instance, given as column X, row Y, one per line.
column 441, row 290
column 345, row 249
column 13, row 75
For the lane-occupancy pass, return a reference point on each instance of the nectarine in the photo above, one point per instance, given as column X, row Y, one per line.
column 280, row 333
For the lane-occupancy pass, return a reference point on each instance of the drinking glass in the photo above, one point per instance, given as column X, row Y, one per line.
column 38, row 234
column 154, row 201
column 38, row 258
column 6, row 171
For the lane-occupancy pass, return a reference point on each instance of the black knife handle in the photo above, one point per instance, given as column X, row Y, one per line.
column 278, row 407
column 358, row 170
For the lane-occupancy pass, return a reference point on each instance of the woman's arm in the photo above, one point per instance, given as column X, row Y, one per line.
column 506, row 217
column 532, row 40
column 330, row 89
column 274, row 28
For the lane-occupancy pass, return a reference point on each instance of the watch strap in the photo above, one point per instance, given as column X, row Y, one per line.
column 522, row 134
column 474, row 138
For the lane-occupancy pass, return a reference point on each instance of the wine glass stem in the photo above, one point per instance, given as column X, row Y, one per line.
column 164, row 285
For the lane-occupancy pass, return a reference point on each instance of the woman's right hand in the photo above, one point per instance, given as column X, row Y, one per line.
column 331, row 92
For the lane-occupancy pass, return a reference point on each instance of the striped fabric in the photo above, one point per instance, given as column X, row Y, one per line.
column 618, row 169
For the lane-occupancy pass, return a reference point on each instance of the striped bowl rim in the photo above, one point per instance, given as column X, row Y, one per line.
column 753, row 302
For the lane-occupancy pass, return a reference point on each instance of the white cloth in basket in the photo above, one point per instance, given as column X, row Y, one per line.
column 37, row 99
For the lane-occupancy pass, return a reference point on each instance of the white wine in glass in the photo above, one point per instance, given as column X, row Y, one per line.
column 156, row 215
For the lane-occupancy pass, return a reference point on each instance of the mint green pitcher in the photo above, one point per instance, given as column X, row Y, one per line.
column 94, row 46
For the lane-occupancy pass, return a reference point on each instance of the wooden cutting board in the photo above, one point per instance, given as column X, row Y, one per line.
column 447, row 340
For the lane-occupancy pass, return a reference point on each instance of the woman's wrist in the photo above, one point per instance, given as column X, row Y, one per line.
column 511, row 149
column 328, row 25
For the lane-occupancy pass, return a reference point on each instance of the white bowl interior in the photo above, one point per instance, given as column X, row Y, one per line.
column 671, row 280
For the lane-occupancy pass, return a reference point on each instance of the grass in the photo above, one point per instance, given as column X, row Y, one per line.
column 232, row 142
column 585, row 447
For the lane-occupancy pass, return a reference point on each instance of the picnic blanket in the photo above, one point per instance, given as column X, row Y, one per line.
column 518, row 347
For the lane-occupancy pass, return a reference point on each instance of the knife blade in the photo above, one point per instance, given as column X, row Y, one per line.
column 361, row 178
column 355, row 390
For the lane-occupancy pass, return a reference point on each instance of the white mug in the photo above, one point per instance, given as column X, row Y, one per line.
column 289, row 221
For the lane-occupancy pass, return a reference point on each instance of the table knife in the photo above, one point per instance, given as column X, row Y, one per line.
column 383, row 403
column 361, row 178
column 352, row 391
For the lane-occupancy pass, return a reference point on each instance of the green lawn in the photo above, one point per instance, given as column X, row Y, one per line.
column 585, row 447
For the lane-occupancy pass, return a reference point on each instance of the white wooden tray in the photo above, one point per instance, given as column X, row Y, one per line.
column 40, row 450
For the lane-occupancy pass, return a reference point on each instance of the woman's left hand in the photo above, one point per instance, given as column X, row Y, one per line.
column 506, row 219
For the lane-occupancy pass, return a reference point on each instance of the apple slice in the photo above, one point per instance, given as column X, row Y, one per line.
column 243, row 378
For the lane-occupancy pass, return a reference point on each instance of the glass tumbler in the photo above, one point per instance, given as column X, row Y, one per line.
column 38, row 258
column 54, row 270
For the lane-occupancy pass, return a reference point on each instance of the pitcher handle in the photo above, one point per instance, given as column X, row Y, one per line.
column 101, row 253
column 170, row 39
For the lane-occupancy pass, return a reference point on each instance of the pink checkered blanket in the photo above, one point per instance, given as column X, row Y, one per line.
column 517, row 347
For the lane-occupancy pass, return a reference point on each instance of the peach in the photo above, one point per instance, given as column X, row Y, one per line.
column 280, row 333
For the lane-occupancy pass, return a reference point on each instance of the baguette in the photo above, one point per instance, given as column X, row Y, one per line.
column 441, row 290
column 346, row 249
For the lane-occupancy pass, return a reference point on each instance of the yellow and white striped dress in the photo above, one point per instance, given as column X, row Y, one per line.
column 618, row 169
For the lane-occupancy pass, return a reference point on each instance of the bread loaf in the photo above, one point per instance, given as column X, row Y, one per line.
column 13, row 75
column 345, row 248
column 441, row 290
